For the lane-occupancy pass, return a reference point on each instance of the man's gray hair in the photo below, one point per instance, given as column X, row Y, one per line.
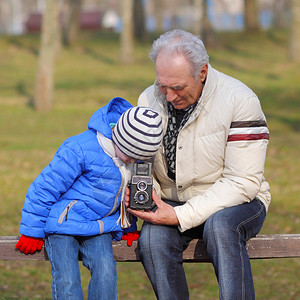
column 178, row 41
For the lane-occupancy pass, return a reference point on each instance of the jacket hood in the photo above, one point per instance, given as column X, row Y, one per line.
column 110, row 113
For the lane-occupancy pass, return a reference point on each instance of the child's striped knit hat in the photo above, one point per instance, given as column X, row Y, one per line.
column 138, row 133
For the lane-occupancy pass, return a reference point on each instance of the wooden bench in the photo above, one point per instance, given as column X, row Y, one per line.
column 260, row 247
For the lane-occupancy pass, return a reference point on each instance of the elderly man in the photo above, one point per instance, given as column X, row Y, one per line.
column 208, row 172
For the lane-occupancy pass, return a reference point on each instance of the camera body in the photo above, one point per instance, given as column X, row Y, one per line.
column 141, row 185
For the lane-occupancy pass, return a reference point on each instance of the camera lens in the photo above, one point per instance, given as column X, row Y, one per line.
column 141, row 197
column 141, row 185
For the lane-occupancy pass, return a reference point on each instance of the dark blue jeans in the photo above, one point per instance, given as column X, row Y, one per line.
column 224, row 233
column 97, row 256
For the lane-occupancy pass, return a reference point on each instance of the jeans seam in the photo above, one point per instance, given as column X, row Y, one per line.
column 242, row 264
column 150, row 251
column 240, row 245
column 54, row 287
column 251, row 219
column 214, row 245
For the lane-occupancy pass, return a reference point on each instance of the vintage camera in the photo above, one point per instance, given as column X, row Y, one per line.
column 141, row 186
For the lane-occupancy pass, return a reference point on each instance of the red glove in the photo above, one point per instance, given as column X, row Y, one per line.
column 130, row 237
column 29, row 244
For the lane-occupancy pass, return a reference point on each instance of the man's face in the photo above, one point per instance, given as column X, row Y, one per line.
column 174, row 78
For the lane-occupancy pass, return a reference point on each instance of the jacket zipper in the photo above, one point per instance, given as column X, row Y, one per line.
column 64, row 215
column 68, row 208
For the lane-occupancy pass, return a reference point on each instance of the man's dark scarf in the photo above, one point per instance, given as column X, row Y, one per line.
column 177, row 119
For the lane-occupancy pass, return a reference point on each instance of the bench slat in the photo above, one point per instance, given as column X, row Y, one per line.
column 262, row 246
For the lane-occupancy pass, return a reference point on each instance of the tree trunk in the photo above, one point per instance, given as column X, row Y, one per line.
column 208, row 35
column 173, row 8
column 127, row 39
column 198, row 17
column 159, row 6
column 139, row 21
column 294, row 38
column 279, row 11
column 44, row 81
column 5, row 17
column 251, row 16
column 71, row 28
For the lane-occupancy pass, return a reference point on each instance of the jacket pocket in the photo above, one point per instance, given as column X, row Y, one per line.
column 64, row 214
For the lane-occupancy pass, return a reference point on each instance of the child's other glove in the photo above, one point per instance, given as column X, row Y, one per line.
column 131, row 236
column 29, row 244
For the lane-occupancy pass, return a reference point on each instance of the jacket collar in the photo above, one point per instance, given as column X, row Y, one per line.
column 210, row 85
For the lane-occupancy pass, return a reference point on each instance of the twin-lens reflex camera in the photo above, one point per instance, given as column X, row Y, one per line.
column 141, row 185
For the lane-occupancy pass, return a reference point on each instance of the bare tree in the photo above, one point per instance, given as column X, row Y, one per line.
column 159, row 6
column 280, row 9
column 127, row 39
column 208, row 35
column 48, row 47
column 139, row 21
column 71, row 28
column 173, row 9
column 198, row 17
column 294, row 38
column 5, row 17
column 251, row 16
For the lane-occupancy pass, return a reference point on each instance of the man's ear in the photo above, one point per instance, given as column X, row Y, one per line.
column 203, row 73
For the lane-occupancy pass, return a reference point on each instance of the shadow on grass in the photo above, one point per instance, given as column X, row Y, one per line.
column 21, row 89
column 20, row 43
column 293, row 123
column 282, row 105
column 81, row 83
column 99, row 57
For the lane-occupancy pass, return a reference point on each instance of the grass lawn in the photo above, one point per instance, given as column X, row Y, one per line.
column 88, row 76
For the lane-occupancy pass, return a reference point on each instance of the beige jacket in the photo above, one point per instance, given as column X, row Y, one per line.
column 220, row 154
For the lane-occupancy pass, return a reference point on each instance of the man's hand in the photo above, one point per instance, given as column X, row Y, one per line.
column 164, row 215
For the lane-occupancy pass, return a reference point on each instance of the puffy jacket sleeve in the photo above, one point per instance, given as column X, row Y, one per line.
column 242, row 177
column 46, row 189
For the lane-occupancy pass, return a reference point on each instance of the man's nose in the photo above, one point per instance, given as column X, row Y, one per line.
column 170, row 94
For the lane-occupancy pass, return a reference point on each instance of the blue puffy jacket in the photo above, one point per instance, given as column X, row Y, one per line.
column 79, row 192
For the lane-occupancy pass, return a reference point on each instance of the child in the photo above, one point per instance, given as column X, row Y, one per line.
column 75, row 201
